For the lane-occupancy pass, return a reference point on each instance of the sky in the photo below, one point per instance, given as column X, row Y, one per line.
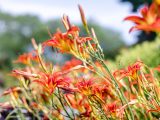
column 108, row 13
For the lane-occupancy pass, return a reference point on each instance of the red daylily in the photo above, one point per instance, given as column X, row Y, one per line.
column 112, row 107
column 113, row 110
column 149, row 19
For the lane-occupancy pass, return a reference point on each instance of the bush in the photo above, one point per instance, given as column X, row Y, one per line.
column 148, row 52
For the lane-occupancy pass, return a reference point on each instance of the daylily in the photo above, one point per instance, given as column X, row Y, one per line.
column 68, row 42
column 70, row 64
column 50, row 82
column 85, row 86
column 149, row 19
column 157, row 68
column 80, row 103
column 13, row 91
column 26, row 58
column 103, row 92
column 131, row 71
column 23, row 73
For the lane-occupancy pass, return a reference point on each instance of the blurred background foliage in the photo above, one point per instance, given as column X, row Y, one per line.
column 137, row 3
column 148, row 52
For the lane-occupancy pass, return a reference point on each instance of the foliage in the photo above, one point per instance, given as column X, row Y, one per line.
column 137, row 3
column 148, row 52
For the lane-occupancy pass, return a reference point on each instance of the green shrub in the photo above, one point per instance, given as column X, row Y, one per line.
column 148, row 52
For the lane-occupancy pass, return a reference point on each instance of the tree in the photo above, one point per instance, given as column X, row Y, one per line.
column 137, row 3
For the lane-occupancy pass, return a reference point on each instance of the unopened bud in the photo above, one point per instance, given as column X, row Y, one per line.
column 83, row 18
column 66, row 22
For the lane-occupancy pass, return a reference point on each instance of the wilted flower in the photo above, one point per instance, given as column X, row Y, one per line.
column 23, row 73
column 14, row 91
column 5, row 105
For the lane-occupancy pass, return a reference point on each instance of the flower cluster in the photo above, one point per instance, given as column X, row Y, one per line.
column 84, row 87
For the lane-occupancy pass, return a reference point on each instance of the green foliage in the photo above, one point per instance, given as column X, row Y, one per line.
column 148, row 52
column 16, row 33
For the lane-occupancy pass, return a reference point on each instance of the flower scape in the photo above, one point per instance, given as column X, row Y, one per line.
column 84, row 88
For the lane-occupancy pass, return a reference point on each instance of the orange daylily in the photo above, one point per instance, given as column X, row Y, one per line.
column 67, row 42
column 50, row 82
column 85, row 86
column 103, row 92
column 131, row 71
column 70, row 64
column 81, row 104
column 26, row 58
column 157, row 68
column 149, row 19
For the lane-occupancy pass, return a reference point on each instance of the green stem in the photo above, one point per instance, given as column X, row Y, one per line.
column 120, row 93
column 60, row 100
